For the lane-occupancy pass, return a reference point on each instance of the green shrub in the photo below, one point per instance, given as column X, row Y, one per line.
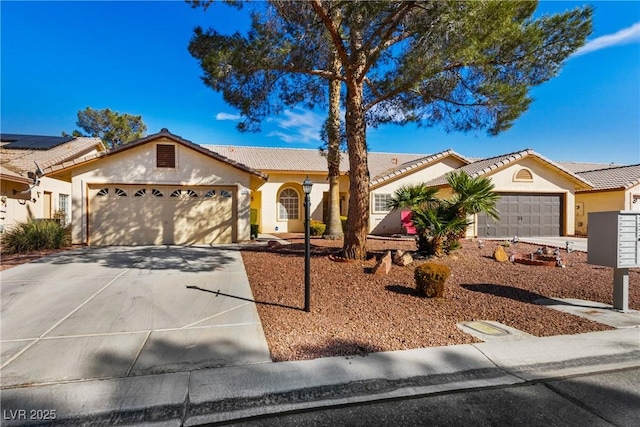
column 317, row 228
column 36, row 235
column 254, row 231
column 343, row 220
column 430, row 279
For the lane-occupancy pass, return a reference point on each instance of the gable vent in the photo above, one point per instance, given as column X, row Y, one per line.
column 523, row 175
column 165, row 156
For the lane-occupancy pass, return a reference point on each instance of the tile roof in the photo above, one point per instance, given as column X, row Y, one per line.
column 17, row 162
column 413, row 164
column 305, row 160
column 622, row 177
column 576, row 167
column 166, row 134
column 484, row 166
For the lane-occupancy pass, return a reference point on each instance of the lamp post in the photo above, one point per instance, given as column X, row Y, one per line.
column 306, row 187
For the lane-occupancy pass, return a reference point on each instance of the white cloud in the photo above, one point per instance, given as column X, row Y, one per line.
column 624, row 36
column 227, row 116
column 298, row 125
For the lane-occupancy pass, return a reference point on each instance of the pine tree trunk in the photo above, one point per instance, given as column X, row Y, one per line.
column 334, row 225
column 355, row 238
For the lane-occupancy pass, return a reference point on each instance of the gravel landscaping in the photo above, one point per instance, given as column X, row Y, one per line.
column 355, row 312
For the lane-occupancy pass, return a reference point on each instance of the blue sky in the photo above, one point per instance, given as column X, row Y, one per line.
column 60, row 57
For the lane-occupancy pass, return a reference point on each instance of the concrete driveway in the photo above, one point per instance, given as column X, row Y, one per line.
column 125, row 311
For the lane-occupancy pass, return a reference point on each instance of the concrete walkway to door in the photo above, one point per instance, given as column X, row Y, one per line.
column 117, row 312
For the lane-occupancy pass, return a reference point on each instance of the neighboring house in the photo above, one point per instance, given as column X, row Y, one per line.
column 537, row 195
column 161, row 189
column 614, row 189
column 24, row 193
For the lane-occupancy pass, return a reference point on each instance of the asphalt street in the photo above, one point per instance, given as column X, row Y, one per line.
column 605, row 399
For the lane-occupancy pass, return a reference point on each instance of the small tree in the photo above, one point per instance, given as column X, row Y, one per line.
column 113, row 128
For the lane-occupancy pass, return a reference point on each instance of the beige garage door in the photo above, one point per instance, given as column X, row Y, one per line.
column 155, row 215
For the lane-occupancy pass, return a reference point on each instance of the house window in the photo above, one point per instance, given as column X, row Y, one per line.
column 165, row 156
column 63, row 206
column 288, row 204
column 381, row 202
column 523, row 175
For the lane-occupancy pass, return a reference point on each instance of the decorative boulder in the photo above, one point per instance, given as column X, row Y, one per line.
column 402, row 258
column 384, row 264
column 500, row 255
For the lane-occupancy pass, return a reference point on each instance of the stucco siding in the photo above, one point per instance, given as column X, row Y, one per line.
column 602, row 201
column 33, row 204
column 270, row 220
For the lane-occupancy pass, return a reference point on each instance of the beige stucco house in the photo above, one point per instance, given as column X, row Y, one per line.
column 24, row 193
column 614, row 189
column 161, row 189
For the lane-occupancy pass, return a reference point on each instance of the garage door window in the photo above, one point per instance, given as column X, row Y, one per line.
column 209, row 194
column 176, row 193
column 288, row 203
column 120, row 192
column 103, row 192
column 140, row 193
column 192, row 193
column 156, row 193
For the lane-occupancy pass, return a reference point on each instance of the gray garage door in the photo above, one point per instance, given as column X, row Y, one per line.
column 524, row 215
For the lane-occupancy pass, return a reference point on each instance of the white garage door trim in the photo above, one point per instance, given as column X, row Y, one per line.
column 127, row 214
column 520, row 216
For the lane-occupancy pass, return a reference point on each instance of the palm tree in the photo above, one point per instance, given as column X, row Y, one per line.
column 413, row 196
column 473, row 194
column 438, row 227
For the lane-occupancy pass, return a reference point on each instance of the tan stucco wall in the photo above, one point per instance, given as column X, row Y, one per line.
column 21, row 207
column 138, row 166
column 602, row 201
column 389, row 222
column 270, row 191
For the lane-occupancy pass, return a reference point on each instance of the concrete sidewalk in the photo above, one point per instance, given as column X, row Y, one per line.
column 233, row 393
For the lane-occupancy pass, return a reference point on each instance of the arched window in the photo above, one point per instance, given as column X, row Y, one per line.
column 288, row 204
column 523, row 175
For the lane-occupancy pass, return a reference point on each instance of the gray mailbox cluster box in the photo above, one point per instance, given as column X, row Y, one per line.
column 614, row 239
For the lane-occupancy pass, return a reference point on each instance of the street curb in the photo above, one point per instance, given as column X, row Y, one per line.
column 224, row 395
